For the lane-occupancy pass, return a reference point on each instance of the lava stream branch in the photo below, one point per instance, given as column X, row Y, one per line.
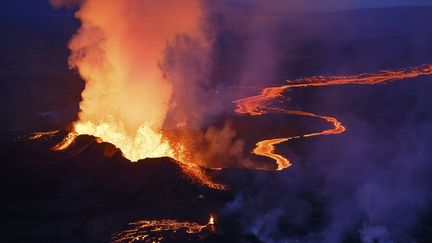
column 258, row 104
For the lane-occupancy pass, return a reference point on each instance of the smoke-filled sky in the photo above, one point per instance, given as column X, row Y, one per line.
column 43, row 8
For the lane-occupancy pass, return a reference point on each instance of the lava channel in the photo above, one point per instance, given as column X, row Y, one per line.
column 259, row 104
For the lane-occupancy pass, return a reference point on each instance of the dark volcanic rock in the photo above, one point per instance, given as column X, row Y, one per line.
column 83, row 195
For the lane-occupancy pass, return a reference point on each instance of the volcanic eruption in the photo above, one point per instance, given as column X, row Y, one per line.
column 161, row 89
column 126, row 96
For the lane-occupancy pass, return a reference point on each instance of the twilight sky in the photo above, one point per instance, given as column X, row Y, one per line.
column 329, row 5
column 42, row 7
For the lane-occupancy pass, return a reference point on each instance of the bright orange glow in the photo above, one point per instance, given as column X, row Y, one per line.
column 255, row 105
column 258, row 105
column 153, row 230
column 146, row 143
column 198, row 174
column 189, row 168
column 66, row 142
column 126, row 96
column 211, row 220
column 119, row 52
column 38, row 135
column 267, row 148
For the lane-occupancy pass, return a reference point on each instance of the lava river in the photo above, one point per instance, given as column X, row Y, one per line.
column 260, row 104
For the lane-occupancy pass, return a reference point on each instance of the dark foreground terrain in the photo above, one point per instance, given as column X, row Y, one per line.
column 81, row 195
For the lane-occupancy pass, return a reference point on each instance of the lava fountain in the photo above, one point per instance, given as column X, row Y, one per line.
column 117, row 51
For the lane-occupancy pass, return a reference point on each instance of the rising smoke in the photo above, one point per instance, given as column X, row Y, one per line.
column 147, row 67
column 374, row 191
column 163, row 63
column 118, row 51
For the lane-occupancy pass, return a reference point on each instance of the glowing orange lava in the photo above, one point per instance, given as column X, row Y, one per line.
column 127, row 94
column 267, row 148
column 66, row 142
column 258, row 105
column 38, row 135
column 145, row 143
column 155, row 230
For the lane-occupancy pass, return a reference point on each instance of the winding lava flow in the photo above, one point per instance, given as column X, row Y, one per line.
column 258, row 105
column 158, row 230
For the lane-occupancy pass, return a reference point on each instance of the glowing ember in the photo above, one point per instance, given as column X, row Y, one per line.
column 257, row 105
column 66, row 142
column 38, row 135
column 196, row 173
column 211, row 220
column 155, row 230
column 146, row 143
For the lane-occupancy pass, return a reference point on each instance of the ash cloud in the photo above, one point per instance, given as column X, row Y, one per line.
column 236, row 54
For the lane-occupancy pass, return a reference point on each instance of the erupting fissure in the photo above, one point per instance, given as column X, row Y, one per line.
column 127, row 94
column 259, row 104
column 119, row 51
column 146, row 143
column 154, row 230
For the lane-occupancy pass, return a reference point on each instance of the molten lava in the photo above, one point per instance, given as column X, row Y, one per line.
column 258, row 105
column 267, row 148
column 211, row 221
column 155, row 230
column 118, row 51
column 66, row 142
column 127, row 94
column 146, row 143
column 38, row 135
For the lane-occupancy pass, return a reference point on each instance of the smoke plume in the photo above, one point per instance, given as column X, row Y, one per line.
column 118, row 51
column 172, row 64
